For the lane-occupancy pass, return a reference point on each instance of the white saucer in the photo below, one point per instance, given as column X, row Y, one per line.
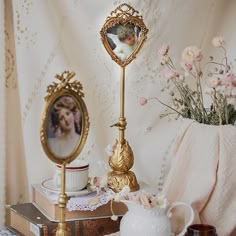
column 50, row 186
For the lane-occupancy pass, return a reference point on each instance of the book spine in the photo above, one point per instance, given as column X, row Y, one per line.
column 98, row 227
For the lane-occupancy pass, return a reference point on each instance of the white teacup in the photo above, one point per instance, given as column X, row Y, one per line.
column 76, row 176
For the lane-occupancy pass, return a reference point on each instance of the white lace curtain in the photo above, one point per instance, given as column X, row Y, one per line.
column 39, row 38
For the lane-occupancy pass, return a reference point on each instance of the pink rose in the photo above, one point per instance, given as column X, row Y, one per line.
column 99, row 182
column 135, row 197
column 143, row 101
column 191, row 54
column 234, row 83
column 147, row 200
column 170, row 73
column 228, row 79
column 218, row 42
column 187, row 66
column 163, row 49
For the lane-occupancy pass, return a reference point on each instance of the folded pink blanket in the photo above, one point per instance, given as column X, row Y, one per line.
column 203, row 174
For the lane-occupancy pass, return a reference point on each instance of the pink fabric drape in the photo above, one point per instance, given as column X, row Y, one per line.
column 203, row 174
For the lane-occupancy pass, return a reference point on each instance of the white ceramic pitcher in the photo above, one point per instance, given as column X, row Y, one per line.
column 140, row 221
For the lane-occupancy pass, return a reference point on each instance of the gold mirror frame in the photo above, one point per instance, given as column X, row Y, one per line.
column 54, row 92
column 124, row 14
column 122, row 158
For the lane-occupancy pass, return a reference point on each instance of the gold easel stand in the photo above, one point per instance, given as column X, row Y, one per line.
column 62, row 229
column 122, row 159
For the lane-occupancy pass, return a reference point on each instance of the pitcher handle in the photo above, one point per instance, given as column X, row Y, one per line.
column 175, row 204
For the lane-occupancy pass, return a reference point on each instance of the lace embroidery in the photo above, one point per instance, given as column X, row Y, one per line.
column 84, row 203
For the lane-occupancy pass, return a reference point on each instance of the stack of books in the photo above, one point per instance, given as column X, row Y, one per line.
column 41, row 217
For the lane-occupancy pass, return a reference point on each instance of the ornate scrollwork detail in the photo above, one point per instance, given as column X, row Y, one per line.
column 122, row 158
column 65, row 83
column 118, row 180
column 121, row 162
column 42, row 135
column 125, row 11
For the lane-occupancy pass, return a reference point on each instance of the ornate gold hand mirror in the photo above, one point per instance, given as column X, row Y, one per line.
column 123, row 35
column 64, row 129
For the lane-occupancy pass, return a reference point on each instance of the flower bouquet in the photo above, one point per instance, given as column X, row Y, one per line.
column 142, row 198
column 204, row 150
column 148, row 214
column 185, row 85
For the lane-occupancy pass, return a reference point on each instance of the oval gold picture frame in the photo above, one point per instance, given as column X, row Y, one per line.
column 126, row 27
column 65, row 121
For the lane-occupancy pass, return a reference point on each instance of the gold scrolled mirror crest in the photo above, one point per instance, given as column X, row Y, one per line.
column 64, row 129
column 123, row 35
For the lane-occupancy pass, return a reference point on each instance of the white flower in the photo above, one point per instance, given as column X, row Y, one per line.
column 164, row 59
column 186, row 73
column 114, row 217
column 117, row 197
column 209, row 91
column 214, row 82
column 161, row 201
column 124, row 192
column 218, row 42
column 163, row 49
column 170, row 73
column 191, row 54
column 181, row 78
column 109, row 150
column 232, row 101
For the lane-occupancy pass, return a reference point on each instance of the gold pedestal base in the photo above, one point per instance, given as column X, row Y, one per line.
column 117, row 180
column 121, row 162
column 62, row 230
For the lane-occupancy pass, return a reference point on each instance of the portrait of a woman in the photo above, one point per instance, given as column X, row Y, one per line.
column 64, row 126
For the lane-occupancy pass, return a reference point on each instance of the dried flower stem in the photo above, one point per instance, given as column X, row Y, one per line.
column 189, row 102
column 217, row 107
column 199, row 88
column 213, row 62
column 173, row 66
column 189, row 95
column 226, row 110
column 185, row 96
column 225, row 57
column 166, row 105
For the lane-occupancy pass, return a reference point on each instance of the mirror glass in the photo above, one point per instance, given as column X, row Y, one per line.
column 63, row 126
column 123, row 39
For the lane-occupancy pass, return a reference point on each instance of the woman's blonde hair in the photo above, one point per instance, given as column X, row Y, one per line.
column 70, row 104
